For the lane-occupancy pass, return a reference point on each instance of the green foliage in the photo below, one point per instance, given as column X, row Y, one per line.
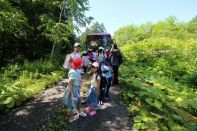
column 32, row 29
column 159, row 77
column 192, row 26
column 21, row 82
column 170, row 28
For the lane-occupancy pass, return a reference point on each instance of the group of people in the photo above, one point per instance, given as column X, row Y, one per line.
column 102, row 66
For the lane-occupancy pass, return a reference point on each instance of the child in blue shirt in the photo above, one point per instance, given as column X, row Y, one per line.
column 72, row 94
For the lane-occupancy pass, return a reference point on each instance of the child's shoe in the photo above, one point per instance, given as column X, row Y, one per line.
column 88, row 109
column 92, row 113
column 83, row 114
column 74, row 118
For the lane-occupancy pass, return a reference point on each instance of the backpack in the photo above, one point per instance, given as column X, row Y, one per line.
column 120, row 59
column 67, row 62
column 119, row 56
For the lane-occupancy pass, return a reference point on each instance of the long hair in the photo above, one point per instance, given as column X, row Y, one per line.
column 115, row 46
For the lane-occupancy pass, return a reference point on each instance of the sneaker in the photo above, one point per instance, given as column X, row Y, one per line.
column 83, row 114
column 88, row 109
column 100, row 102
column 74, row 118
column 92, row 113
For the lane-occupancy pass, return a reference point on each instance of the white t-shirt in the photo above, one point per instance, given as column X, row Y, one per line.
column 86, row 61
column 75, row 55
column 68, row 61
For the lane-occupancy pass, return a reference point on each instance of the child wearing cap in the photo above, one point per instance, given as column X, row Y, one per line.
column 101, row 55
column 92, row 97
column 107, row 72
column 72, row 93
column 86, row 61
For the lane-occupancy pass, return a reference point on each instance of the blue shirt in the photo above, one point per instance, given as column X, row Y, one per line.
column 75, row 76
column 105, row 71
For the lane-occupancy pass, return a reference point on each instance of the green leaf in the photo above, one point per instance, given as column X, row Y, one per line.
column 157, row 115
column 156, row 103
column 138, row 118
column 177, row 117
column 9, row 102
column 149, row 101
column 185, row 115
column 134, row 108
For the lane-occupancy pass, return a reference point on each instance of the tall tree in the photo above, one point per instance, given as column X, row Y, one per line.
column 13, row 31
column 32, row 26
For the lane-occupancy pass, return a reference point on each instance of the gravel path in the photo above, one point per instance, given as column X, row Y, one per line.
column 34, row 115
column 112, row 116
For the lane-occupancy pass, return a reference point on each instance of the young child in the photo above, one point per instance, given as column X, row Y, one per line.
column 90, row 55
column 109, row 77
column 101, row 55
column 92, row 97
column 106, row 77
column 86, row 62
column 107, row 57
column 94, row 54
column 72, row 94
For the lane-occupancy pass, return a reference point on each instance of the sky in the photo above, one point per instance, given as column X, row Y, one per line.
column 118, row 13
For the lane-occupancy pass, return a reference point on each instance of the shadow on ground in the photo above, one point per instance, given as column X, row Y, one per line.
column 36, row 113
column 112, row 116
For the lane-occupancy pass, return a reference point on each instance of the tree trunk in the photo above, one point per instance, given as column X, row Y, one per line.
column 60, row 17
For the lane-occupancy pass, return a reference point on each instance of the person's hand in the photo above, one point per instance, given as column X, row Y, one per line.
column 66, row 80
column 81, row 81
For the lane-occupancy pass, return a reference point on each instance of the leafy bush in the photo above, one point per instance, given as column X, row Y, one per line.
column 21, row 82
column 158, row 76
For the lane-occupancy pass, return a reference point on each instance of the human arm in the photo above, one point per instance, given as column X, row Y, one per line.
column 98, row 86
column 70, row 85
column 112, row 48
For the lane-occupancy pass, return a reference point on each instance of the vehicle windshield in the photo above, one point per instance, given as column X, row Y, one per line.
column 94, row 40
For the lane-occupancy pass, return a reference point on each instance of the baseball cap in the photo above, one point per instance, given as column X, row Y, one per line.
column 101, row 48
column 95, row 64
column 77, row 44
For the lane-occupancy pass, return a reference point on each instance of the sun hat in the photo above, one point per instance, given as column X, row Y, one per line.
column 77, row 63
column 77, row 44
column 95, row 64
